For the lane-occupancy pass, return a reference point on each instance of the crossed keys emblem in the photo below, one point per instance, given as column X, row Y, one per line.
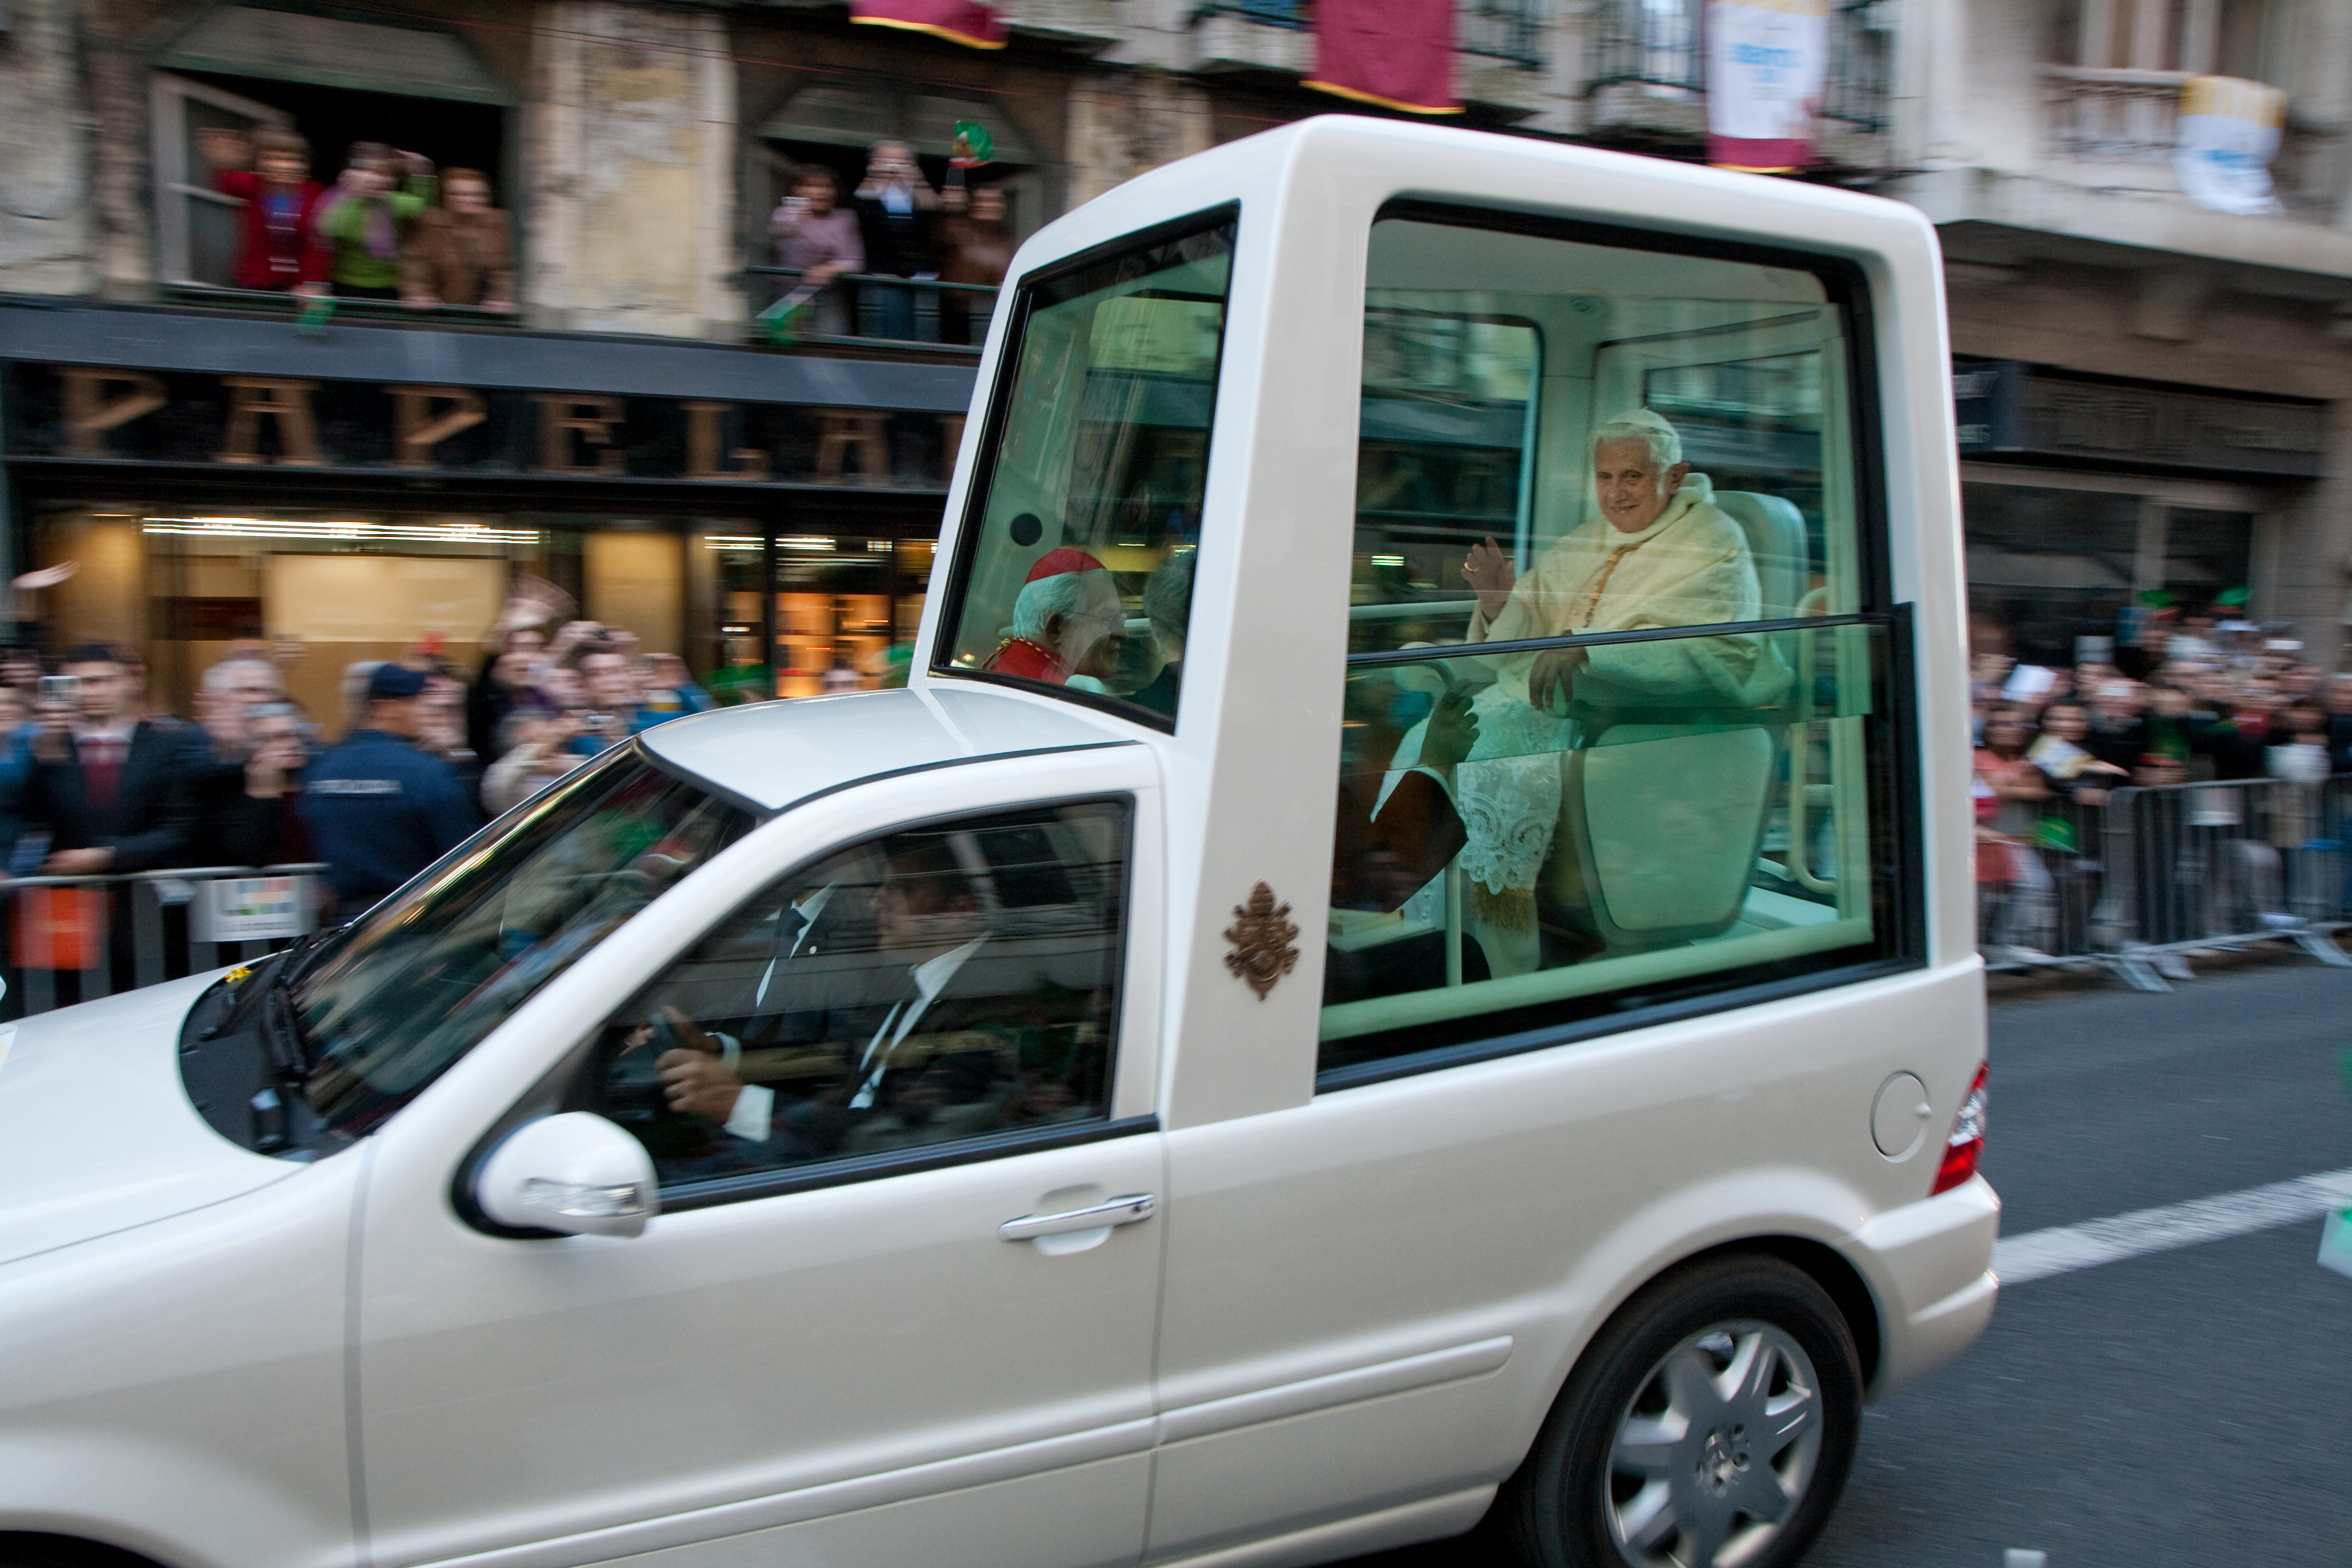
column 1262, row 951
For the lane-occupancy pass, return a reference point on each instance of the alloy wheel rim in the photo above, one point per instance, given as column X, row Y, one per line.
column 1715, row 1449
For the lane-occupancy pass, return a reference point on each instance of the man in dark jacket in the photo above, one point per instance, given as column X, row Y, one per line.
column 111, row 787
column 379, row 809
column 894, row 205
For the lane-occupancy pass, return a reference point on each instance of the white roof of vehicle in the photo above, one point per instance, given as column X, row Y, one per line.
column 777, row 754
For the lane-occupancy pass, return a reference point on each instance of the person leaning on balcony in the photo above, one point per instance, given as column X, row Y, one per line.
column 110, row 786
column 271, row 175
column 363, row 222
column 975, row 247
column 461, row 252
column 894, row 203
column 819, row 238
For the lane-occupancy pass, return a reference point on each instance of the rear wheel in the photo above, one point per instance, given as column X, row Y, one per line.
column 1709, row 1425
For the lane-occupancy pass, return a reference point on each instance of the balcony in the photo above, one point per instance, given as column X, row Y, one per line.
column 2115, row 130
column 2113, row 116
column 1088, row 26
column 1647, row 85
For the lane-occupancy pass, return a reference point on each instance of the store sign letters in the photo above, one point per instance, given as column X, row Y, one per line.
column 290, row 422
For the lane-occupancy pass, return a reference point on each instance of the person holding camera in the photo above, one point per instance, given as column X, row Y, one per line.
column 894, row 205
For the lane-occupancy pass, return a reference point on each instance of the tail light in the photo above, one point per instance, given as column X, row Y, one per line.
column 1965, row 1147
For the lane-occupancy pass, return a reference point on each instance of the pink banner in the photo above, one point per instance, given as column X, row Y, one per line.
column 957, row 21
column 1398, row 54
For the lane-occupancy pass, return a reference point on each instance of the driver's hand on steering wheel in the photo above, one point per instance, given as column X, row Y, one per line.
column 694, row 1078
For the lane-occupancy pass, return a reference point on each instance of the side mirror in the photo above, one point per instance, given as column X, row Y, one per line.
column 576, row 1173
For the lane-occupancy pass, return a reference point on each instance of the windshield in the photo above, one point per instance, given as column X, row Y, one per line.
column 419, row 980
column 1075, row 574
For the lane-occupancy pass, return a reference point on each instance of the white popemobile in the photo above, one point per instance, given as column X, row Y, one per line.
column 1404, row 959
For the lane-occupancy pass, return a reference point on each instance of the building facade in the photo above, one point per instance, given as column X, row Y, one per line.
column 2153, row 394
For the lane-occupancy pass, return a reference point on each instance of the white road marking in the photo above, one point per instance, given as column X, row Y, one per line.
column 2062, row 1249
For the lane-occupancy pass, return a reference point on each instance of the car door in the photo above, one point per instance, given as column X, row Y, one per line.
column 826, row 1342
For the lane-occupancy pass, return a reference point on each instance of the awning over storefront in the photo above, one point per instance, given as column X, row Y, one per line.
column 333, row 51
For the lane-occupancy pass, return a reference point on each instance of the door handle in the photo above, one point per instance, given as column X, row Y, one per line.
column 1095, row 1217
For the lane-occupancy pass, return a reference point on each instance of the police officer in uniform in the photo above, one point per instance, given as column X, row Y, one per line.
column 380, row 809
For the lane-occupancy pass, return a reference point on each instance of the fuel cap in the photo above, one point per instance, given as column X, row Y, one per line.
column 1898, row 1121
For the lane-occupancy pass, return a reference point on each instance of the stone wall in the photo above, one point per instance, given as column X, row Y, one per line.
column 1122, row 125
column 46, row 223
column 629, row 152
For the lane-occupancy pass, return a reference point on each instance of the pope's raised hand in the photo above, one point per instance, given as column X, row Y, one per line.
column 1490, row 571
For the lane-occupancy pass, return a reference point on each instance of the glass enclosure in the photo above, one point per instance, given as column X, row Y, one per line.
column 1618, row 730
column 1077, row 568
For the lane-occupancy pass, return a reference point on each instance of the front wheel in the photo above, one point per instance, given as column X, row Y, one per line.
column 1709, row 1425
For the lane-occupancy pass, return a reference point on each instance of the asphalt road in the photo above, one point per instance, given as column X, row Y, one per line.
column 2191, row 1406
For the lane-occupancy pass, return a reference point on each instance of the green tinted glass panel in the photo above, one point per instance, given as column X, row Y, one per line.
column 1076, row 572
column 1707, row 811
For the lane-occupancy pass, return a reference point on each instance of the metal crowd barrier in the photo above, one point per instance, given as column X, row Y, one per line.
column 2222, row 866
column 2037, row 905
column 2162, row 873
column 76, row 938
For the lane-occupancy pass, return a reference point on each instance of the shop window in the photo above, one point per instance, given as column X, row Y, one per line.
column 845, row 607
column 243, row 83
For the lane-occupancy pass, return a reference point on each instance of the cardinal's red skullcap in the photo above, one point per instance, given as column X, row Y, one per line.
column 1054, row 563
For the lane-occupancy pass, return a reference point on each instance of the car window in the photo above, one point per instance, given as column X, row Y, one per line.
column 419, row 980
column 1569, row 789
column 1075, row 573
column 944, row 982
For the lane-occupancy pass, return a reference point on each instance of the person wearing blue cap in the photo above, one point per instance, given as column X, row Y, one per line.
column 380, row 809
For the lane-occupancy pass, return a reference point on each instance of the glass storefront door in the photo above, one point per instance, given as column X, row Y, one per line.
column 2051, row 564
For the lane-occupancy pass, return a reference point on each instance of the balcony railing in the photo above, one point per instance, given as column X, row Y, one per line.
column 317, row 312
column 882, row 311
column 2128, row 116
column 1508, row 30
column 1291, row 14
column 1503, row 30
column 1657, row 48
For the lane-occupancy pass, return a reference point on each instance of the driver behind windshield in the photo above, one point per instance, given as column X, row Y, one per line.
column 898, row 1018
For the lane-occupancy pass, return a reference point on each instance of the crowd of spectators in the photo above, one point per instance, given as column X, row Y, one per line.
column 95, row 780
column 390, row 228
column 2196, row 700
column 894, row 224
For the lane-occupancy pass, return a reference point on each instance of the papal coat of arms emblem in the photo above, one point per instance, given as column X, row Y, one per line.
column 1262, row 941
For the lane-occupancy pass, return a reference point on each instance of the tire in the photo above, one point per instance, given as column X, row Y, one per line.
column 1646, row 1462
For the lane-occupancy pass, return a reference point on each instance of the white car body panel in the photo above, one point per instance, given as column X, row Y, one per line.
column 96, row 1134
column 1352, row 1310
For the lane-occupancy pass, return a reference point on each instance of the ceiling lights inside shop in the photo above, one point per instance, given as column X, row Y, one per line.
column 352, row 529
